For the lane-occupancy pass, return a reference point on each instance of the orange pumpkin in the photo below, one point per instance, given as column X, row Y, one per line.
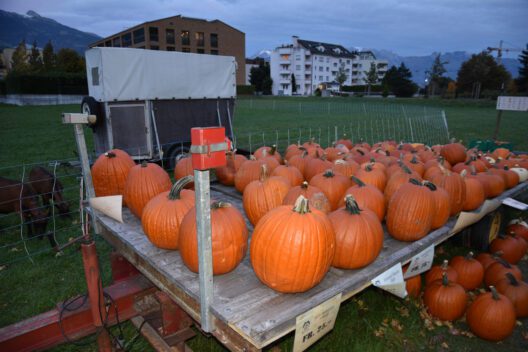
column 248, row 172
column 332, row 185
column 475, row 195
column 400, row 176
column 517, row 292
column 265, row 152
column 455, row 187
column 144, row 182
column 444, row 299
column 359, row 236
column 345, row 167
column 372, row 176
column 184, row 168
column 164, row 213
column 367, row 197
column 290, row 173
column 512, row 251
column 229, row 236
column 454, row 153
column 110, row 171
column 413, row 285
column 299, row 161
column 486, row 259
column 519, row 229
column 437, row 271
column 292, row 249
column 316, row 197
column 292, row 150
column 470, row 271
column 315, row 166
column 442, row 205
column 226, row 174
column 498, row 270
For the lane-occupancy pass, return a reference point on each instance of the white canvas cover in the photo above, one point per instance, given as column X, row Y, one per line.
column 121, row 74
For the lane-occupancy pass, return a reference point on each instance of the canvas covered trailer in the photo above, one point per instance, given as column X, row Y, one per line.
column 146, row 101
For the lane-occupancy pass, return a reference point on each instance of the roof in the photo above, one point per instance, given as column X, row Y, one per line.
column 326, row 49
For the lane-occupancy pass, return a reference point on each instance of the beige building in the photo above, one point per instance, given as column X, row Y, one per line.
column 184, row 34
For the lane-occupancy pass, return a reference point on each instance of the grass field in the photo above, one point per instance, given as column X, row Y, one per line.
column 372, row 320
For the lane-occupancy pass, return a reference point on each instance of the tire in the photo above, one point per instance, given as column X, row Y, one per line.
column 174, row 153
column 90, row 106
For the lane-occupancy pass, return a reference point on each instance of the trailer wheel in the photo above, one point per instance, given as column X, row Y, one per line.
column 175, row 153
column 90, row 106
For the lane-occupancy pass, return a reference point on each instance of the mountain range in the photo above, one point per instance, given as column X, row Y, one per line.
column 14, row 27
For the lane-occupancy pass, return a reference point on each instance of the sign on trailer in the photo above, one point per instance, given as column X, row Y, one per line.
column 512, row 103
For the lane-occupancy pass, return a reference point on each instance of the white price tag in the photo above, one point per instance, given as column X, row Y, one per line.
column 392, row 281
column 515, row 204
column 420, row 262
column 315, row 323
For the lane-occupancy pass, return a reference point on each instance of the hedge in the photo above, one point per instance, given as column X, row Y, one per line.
column 245, row 90
column 49, row 83
column 362, row 89
column 2, row 87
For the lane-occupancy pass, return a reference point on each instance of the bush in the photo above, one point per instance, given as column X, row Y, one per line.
column 362, row 89
column 2, row 87
column 245, row 90
column 46, row 83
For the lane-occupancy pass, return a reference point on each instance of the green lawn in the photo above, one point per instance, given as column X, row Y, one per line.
column 372, row 320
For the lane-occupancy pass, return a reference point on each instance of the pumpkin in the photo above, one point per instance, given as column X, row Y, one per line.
column 496, row 271
column 332, row 185
column 299, row 161
column 290, row 173
column 469, row 270
column 345, row 141
column 144, row 182
column 270, row 162
column 367, row 197
column 511, row 178
column 454, row 153
column 372, row 176
column 163, row 214
column 521, row 172
column 442, row 205
column 416, row 165
column 436, row 272
column 293, row 149
column 502, row 153
column 444, row 299
column 359, row 235
column 486, row 259
column 519, row 229
column 333, row 153
column 265, row 152
column 512, row 251
column 455, row 187
column 292, row 248
column 316, row 197
column 229, row 237
column 475, row 194
column 491, row 316
column 110, row 171
column 517, row 292
column 248, row 172
column 494, row 185
column 263, row 195
column 345, row 167
column 413, row 285
column 410, row 212
column 399, row 177
column 226, row 174
column 315, row 166
column 184, row 168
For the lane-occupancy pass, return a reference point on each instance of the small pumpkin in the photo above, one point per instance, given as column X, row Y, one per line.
column 184, row 168
column 367, row 197
column 399, row 177
column 470, row 271
column 475, row 194
column 498, row 270
column 229, row 236
column 292, row 248
column 455, row 187
column 359, row 235
column 444, row 299
column 491, row 316
column 517, row 292
column 299, row 161
column 413, row 285
column 436, row 272
column 316, row 197
column 333, row 186
column 110, row 171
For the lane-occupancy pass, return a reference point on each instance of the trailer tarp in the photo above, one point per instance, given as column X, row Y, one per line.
column 125, row 74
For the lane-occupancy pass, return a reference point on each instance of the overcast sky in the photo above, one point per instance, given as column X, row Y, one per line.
column 407, row 27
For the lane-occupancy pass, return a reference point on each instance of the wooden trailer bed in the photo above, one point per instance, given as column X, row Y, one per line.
column 247, row 314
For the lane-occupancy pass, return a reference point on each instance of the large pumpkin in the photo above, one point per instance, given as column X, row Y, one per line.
column 359, row 236
column 444, row 299
column 315, row 166
column 263, row 195
column 491, row 316
column 475, row 194
column 400, row 176
column 512, row 251
column 332, row 185
column 442, row 205
column 164, row 213
column 316, row 197
column 229, row 236
column 367, row 197
column 454, row 153
column 265, row 152
column 498, row 270
column 372, row 176
column 144, row 182
column 110, row 171
column 292, row 248
column 410, row 212
column 345, row 167
column 226, row 174
column 248, row 172
column 518, row 228
column 517, row 292
column 299, row 161
column 455, row 187
column 470, row 271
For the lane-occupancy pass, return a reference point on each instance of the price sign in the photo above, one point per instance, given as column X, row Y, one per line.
column 515, row 204
column 420, row 262
column 315, row 323
column 392, row 281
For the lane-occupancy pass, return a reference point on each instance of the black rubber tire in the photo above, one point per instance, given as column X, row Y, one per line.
column 90, row 106
column 172, row 154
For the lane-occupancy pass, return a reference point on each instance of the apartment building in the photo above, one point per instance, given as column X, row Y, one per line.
column 316, row 65
column 185, row 34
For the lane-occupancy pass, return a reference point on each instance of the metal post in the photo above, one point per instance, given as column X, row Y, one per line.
column 445, row 124
column 497, row 125
column 335, row 133
column 205, row 249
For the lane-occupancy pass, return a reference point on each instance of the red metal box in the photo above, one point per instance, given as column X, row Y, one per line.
column 208, row 147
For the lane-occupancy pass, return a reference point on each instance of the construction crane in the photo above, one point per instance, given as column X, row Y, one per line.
column 500, row 49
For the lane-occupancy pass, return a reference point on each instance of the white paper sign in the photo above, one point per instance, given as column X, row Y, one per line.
column 392, row 281
column 512, row 103
column 420, row 262
column 515, row 204
column 315, row 323
column 111, row 206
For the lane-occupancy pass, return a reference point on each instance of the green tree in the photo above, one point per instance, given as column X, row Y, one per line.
column 260, row 78
column 398, row 80
column 49, row 59
column 341, row 76
column 481, row 72
column 371, row 77
column 293, row 83
column 69, row 61
column 436, row 73
column 522, row 80
column 19, row 59
column 35, row 61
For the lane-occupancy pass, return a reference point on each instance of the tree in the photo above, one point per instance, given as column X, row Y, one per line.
column 260, row 78
column 436, row 73
column 398, row 80
column 371, row 76
column 35, row 61
column 481, row 72
column 522, row 80
column 49, row 60
column 341, row 76
column 19, row 59
column 294, row 84
column 69, row 61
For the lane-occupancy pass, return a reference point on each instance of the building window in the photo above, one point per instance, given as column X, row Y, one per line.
column 199, row 37
column 116, row 41
column 154, row 47
column 327, row 59
column 348, row 61
column 139, row 35
column 169, row 36
column 126, row 39
column 327, row 69
column 186, row 50
column 321, row 68
column 171, row 48
column 153, row 34
column 108, row 43
column 320, row 78
column 186, row 38
column 327, row 78
column 214, row 52
column 200, row 51
column 298, row 57
column 321, row 59
column 298, row 67
column 214, row 41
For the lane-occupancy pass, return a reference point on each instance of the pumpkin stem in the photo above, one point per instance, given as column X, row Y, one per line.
column 301, row 205
column 372, row 160
column 110, row 154
column 473, row 170
column 503, row 262
column 494, row 293
column 252, row 158
column 178, row 186
column 415, row 182
column 144, row 163
column 430, row 185
column 351, row 205
column 445, row 264
column 360, row 152
column 406, row 169
column 368, row 167
column 470, row 255
column 513, row 280
column 263, row 172
column 357, row 181
column 463, row 173
column 329, row 173
column 445, row 280
column 304, row 185
column 220, row 204
column 273, row 149
column 414, row 160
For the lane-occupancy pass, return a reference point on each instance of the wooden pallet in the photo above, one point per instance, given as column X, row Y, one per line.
column 247, row 314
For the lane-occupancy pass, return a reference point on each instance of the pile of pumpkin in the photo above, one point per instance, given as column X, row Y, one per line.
column 492, row 314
